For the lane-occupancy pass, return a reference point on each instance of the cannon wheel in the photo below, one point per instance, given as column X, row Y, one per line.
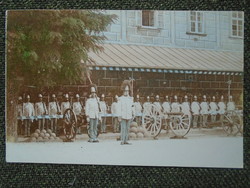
column 232, row 123
column 152, row 120
column 69, row 124
column 180, row 124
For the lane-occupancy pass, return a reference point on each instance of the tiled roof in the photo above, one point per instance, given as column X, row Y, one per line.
column 155, row 57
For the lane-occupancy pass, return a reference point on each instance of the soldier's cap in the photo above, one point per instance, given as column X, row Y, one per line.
column 77, row 96
column 40, row 96
column 157, row 96
column 204, row 97
column 195, row 97
column 185, row 96
column 66, row 95
column 20, row 98
column 166, row 97
column 230, row 97
column 28, row 97
column 103, row 95
column 148, row 97
column 213, row 97
column 222, row 97
column 92, row 89
column 175, row 97
column 53, row 95
column 126, row 88
column 137, row 96
column 116, row 96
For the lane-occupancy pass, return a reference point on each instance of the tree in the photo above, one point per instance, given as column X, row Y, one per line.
column 46, row 47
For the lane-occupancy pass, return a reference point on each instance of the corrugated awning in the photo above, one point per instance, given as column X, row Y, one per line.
column 165, row 59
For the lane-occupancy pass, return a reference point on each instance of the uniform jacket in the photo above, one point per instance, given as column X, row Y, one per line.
column 114, row 109
column 77, row 108
column 145, row 105
column 195, row 108
column 28, row 109
column 103, row 107
column 20, row 109
column 138, row 108
column 230, row 106
column 166, row 107
column 204, row 108
column 40, row 109
column 222, row 107
column 54, row 108
column 92, row 108
column 175, row 107
column 158, row 105
column 185, row 108
column 126, row 107
column 213, row 108
column 64, row 106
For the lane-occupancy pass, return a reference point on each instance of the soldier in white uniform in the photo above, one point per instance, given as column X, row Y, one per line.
column 213, row 109
column 65, row 104
column 185, row 106
column 157, row 103
column 77, row 108
column 204, row 111
column 28, row 111
column 114, row 112
column 166, row 105
column 195, row 108
column 41, row 110
column 126, row 111
column 175, row 106
column 103, row 107
column 146, row 103
column 93, row 114
column 20, row 113
column 138, row 110
column 54, row 109
column 230, row 104
column 222, row 108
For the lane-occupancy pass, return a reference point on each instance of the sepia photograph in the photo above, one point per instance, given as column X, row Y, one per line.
column 125, row 87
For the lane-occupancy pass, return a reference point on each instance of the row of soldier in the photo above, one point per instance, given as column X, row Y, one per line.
column 196, row 109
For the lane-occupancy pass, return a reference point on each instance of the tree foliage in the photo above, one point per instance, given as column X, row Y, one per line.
column 45, row 47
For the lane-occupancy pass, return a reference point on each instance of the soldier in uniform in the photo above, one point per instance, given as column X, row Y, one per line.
column 138, row 110
column 114, row 111
column 103, row 107
column 213, row 109
column 204, row 111
column 166, row 109
column 126, row 111
column 195, row 108
column 20, row 113
column 185, row 106
column 222, row 108
column 157, row 103
column 175, row 106
column 77, row 109
column 28, row 111
column 54, row 109
column 230, row 104
column 65, row 104
column 40, row 110
column 93, row 114
column 146, row 103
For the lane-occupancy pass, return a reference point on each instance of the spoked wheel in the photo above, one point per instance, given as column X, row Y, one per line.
column 151, row 120
column 69, row 124
column 180, row 124
column 232, row 123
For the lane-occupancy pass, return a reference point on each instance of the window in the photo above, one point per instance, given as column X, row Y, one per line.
column 237, row 24
column 196, row 23
column 148, row 18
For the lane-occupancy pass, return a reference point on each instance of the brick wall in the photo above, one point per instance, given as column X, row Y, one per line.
column 153, row 83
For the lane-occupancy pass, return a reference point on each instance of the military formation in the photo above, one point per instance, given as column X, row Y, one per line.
column 123, row 111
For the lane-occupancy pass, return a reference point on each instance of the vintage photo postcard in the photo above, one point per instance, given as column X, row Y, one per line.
column 125, row 87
